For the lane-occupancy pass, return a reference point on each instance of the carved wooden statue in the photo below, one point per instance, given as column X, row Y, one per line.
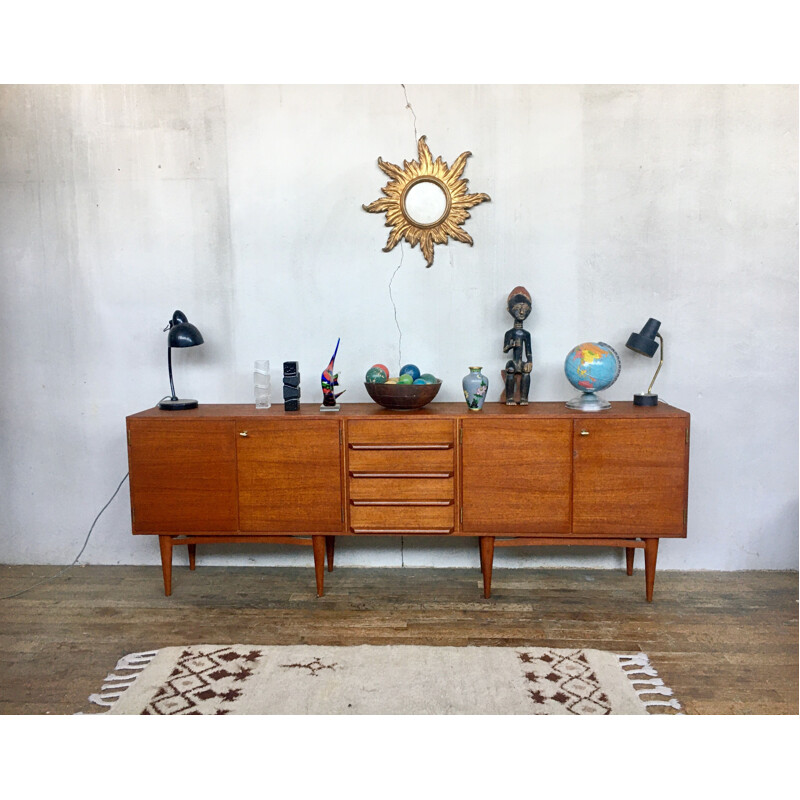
column 518, row 341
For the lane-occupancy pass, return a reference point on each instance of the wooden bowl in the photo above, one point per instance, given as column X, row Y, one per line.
column 402, row 396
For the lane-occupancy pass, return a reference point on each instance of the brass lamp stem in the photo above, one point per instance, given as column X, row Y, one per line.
column 661, row 355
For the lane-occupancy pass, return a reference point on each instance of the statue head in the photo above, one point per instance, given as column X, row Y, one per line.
column 519, row 303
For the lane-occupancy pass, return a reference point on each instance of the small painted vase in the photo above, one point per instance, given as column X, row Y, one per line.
column 475, row 386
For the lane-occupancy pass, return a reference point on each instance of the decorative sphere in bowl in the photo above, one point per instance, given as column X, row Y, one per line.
column 403, row 396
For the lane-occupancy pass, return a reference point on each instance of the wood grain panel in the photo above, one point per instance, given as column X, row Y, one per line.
column 630, row 477
column 289, row 476
column 182, row 475
column 516, row 478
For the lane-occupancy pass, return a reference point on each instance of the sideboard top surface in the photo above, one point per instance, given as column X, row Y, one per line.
column 621, row 409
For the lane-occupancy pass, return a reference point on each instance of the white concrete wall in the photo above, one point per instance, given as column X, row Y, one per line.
column 241, row 205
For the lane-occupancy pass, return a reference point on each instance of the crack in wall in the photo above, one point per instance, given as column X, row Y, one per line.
column 391, row 296
column 402, row 251
column 413, row 114
column 394, row 306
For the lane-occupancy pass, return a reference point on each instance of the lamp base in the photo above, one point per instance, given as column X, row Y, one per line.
column 177, row 405
column 647, row 399
column 588, row 401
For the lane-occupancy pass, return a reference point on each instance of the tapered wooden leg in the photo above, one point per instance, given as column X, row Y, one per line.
column 319, row 562
column 487, row 557
column 330, row 544
column 650, row 554
column 192, row 556
column 629, row 551
column 165, row 543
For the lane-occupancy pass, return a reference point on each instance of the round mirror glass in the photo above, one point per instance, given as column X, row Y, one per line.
column 425, row 203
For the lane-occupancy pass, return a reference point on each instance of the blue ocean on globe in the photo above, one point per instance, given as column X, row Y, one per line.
column 592, row 366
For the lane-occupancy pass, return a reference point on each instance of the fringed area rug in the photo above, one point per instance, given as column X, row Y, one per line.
column 366, row 679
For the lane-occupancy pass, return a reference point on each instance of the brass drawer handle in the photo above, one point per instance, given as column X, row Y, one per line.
column 439, row 475
column 418, row 531
column 401, row 502
column 584, row 433
column 243, row 434
column 448, row 446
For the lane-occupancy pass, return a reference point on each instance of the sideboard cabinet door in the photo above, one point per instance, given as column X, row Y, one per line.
column 630, row 477
column 290, row 477
column 516, row 476
column 182, row 476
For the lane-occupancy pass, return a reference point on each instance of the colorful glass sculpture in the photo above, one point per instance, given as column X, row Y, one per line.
column 329, row 381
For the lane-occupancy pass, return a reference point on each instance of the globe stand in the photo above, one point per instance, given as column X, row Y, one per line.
column 588, row 401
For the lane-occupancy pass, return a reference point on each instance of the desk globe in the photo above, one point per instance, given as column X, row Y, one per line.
column 591, row 367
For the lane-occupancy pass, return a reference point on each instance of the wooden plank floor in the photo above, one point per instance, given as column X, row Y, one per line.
column 726, row 643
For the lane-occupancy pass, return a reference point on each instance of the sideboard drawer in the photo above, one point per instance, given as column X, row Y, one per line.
column 400, row 431
column 402, row 519
column 429, row 487
column 408, row 462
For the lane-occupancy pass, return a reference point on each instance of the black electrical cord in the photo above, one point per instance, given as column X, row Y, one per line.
column 62, row 571
column 70, row 566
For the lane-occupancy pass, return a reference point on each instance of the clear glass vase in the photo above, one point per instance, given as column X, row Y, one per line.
column 261, row 384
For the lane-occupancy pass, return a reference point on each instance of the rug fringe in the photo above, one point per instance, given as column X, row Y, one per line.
column 114, row 685
column 653, row 686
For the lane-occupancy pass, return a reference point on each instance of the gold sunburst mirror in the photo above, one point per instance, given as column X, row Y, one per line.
column 426, row 202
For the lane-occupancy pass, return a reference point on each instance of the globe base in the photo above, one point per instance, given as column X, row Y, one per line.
column 588, row 401
column 647, row 399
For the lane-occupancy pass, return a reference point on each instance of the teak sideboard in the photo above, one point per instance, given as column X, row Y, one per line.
column 539, row 474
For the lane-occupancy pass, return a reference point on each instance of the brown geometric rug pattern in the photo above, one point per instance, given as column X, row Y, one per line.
column 391, row 679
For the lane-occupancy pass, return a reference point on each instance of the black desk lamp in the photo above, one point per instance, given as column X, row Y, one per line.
column 645, row 343
column 181, row 334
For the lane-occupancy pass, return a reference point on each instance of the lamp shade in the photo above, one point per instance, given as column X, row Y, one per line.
column 645, row 342
column 182, row 333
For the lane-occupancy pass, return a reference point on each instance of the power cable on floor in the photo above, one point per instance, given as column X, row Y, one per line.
column 62, row 571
